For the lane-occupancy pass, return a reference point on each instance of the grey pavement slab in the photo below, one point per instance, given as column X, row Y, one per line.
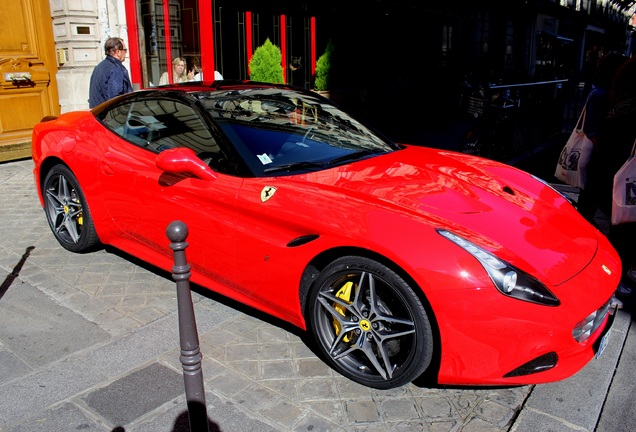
column 46, row 387
column 11, row 366
column 136, row 394
column 66, row 417
column 39, row 331
column 619, row 410
column 222, row 415
column 96, row 366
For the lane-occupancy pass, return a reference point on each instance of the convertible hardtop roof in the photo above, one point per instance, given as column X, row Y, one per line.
column 196, row 87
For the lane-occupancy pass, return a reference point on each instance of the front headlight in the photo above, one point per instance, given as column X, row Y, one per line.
column 508, row 279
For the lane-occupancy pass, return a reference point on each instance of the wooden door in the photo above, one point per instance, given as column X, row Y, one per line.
column 28, row 89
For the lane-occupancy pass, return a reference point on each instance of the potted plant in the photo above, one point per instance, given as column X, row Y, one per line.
column 265, row 65
column 323, row 69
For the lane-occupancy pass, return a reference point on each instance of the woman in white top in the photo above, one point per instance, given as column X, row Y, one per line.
column 198, row 72
column 199, row 76
column 179, row 74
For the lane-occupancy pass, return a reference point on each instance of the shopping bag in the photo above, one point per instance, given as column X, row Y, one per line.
column 624, row 194
column 572, row 164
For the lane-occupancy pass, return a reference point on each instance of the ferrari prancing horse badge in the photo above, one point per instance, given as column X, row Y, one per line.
column 267, row 193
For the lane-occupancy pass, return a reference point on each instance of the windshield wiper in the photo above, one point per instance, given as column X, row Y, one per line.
column 294, row 166
column 350, row 156
column 305, row 164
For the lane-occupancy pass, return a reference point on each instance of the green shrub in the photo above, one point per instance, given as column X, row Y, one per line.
column 323, row 66
column 266, row 65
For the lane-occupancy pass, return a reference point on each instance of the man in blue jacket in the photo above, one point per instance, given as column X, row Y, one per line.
column 110, row 77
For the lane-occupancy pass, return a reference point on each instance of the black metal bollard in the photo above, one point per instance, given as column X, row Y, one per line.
column 190, row 357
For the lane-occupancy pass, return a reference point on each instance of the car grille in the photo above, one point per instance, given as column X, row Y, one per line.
column 585, row 328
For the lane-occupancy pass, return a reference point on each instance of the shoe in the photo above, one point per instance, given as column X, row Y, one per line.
column 615, row 304
column 623, row 290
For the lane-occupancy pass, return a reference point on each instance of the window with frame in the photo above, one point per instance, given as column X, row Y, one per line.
column 160, row 124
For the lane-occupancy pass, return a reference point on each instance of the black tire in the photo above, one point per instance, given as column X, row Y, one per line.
column 368, row 323
column 67, row 212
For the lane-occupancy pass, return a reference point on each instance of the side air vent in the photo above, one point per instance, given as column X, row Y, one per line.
column 539, row 364
column 299, row 241
column 509, row 190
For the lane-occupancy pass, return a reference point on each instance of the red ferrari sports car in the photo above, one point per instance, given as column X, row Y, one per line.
column 399, row 260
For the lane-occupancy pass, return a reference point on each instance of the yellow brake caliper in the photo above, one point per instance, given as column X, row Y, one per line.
column 80, row 215
column 79, row 218
column 343, row 293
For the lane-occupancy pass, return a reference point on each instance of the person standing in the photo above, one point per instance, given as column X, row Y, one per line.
column 597, row 107
column 109, row 78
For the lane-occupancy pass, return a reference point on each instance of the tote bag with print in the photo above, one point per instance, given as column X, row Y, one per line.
column 572, row 164
column 624, row 194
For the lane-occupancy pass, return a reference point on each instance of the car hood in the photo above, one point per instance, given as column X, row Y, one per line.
column 499, row 207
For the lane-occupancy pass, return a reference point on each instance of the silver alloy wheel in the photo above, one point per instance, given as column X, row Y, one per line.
column 369, row 324
column 66, row 210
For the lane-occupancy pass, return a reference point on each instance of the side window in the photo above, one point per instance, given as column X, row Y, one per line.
column 160, row 124
column 129, row 126
column 163, row 124
column 115, row 119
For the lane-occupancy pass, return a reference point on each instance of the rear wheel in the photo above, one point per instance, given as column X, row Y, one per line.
column 369, row 324
column 66, row 210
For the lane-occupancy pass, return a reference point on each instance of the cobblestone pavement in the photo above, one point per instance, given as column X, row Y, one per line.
column 90, row 342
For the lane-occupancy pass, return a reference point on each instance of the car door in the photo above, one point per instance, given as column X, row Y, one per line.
column 142, row 200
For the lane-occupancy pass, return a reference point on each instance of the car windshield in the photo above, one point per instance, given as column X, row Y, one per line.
column 279, row 131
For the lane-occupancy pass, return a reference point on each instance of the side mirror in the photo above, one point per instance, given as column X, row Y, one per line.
column 183, row 160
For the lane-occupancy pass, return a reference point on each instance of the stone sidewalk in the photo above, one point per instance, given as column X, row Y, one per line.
column 90, row 342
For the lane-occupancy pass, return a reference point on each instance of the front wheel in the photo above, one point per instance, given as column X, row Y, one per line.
column 369, row 324
column 66, row 210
